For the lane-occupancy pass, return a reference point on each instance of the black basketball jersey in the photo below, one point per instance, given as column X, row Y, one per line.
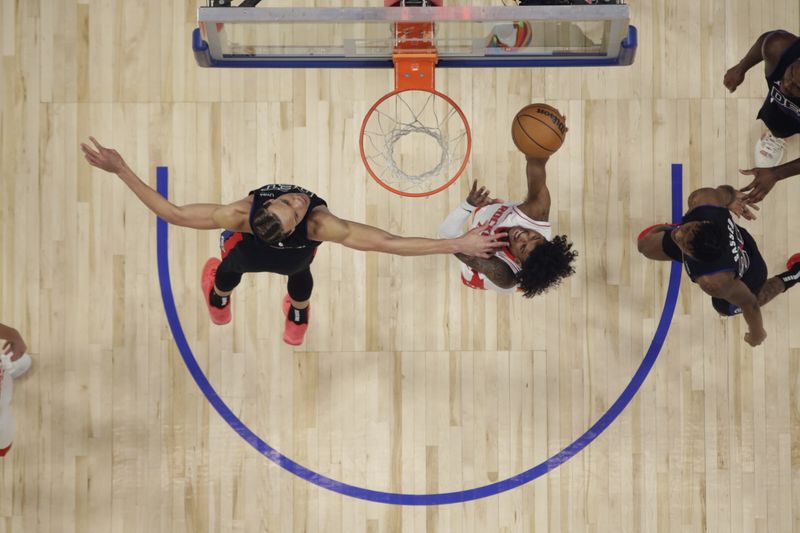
column 735, row 257
column 776, row 100
column 299, row 237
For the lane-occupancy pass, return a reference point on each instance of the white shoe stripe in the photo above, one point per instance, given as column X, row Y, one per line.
column 793, row 277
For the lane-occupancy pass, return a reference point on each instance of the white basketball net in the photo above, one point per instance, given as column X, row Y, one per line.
column 415, row 141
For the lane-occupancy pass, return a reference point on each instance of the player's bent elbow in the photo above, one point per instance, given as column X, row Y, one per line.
column 645, row 246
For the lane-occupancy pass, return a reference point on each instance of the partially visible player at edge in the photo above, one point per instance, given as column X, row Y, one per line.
column 780, row 112
column 534, row 260
column 277, row 228
column 721, row 256
column 14, row 362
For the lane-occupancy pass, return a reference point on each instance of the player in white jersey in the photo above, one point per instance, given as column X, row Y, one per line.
column 13, row 363
column 533, row 260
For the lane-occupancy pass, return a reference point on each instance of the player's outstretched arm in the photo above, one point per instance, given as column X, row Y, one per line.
column 764, row 179
column 725, row 285
column 197, row 216
column 537, row 203
column 328, row 227
column 493, row 268
column 724, row 196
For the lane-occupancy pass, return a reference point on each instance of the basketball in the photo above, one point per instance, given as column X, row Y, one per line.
column 538, row 130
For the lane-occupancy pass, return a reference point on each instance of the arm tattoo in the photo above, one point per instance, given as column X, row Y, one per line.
column 493, row 268
column 773, row 287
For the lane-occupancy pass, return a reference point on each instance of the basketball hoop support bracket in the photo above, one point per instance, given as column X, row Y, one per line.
column 415, row 70
column 414, row 56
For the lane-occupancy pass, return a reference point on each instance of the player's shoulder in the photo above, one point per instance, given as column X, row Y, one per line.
column 320, row 218
column 718, row 283
column 536, row 213
column 775, row 44
column 321, row 212
column 235, row 215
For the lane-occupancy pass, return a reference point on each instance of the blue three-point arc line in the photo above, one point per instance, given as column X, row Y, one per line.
column 416, row 499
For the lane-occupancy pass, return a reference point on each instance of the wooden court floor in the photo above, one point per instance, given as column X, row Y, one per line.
column 408, row 382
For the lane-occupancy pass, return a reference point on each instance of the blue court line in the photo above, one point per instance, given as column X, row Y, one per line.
column 416, row 499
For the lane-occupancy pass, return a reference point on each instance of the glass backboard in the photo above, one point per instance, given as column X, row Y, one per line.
column 364, row 37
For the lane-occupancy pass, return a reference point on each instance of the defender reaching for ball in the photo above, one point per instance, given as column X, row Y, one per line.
column 277, row 228
column 534, row 260
column 721, row 256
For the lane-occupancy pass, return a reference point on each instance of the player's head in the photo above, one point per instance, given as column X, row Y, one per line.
column 545, row 265
column 276, row 219
column 701, row 240
column 790, row 84
column 522, row 241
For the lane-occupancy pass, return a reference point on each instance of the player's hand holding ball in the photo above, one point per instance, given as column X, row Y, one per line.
column 538, row 130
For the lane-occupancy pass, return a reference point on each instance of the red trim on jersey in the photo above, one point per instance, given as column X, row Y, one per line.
column 4, row 451
column 475, row 282
column 505, row 249
column 230, row 242
column 647, row 230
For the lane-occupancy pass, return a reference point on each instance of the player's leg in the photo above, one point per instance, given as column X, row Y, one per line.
column 296, row 306
column 780, row 283
column 219, row 278
column 299, row 287
column 756, row 280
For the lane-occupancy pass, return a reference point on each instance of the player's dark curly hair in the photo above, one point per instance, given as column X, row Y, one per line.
column 267, row 226
column 708, row 242
column 545, row 267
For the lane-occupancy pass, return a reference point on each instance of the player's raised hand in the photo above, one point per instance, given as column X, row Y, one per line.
column 741, row 207
column 480, row 197
column 103, row 158
column 479, row 243
column 764, row 179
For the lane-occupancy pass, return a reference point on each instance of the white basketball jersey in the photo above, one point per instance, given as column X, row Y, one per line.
column 498, row 218
column 7, row 426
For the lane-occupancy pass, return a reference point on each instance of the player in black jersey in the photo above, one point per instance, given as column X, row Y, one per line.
column 277, row 228
column 780, row 51
column 721, row 256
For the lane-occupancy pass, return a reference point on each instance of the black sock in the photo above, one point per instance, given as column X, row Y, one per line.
column 217, row 300
column 298, row 316
column 791, row 276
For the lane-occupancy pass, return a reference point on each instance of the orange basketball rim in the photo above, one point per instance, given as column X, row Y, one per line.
column 415, row 141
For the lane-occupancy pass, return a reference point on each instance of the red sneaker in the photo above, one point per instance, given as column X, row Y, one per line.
column 218, row 316
column 793, row 261
column 293, row 333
